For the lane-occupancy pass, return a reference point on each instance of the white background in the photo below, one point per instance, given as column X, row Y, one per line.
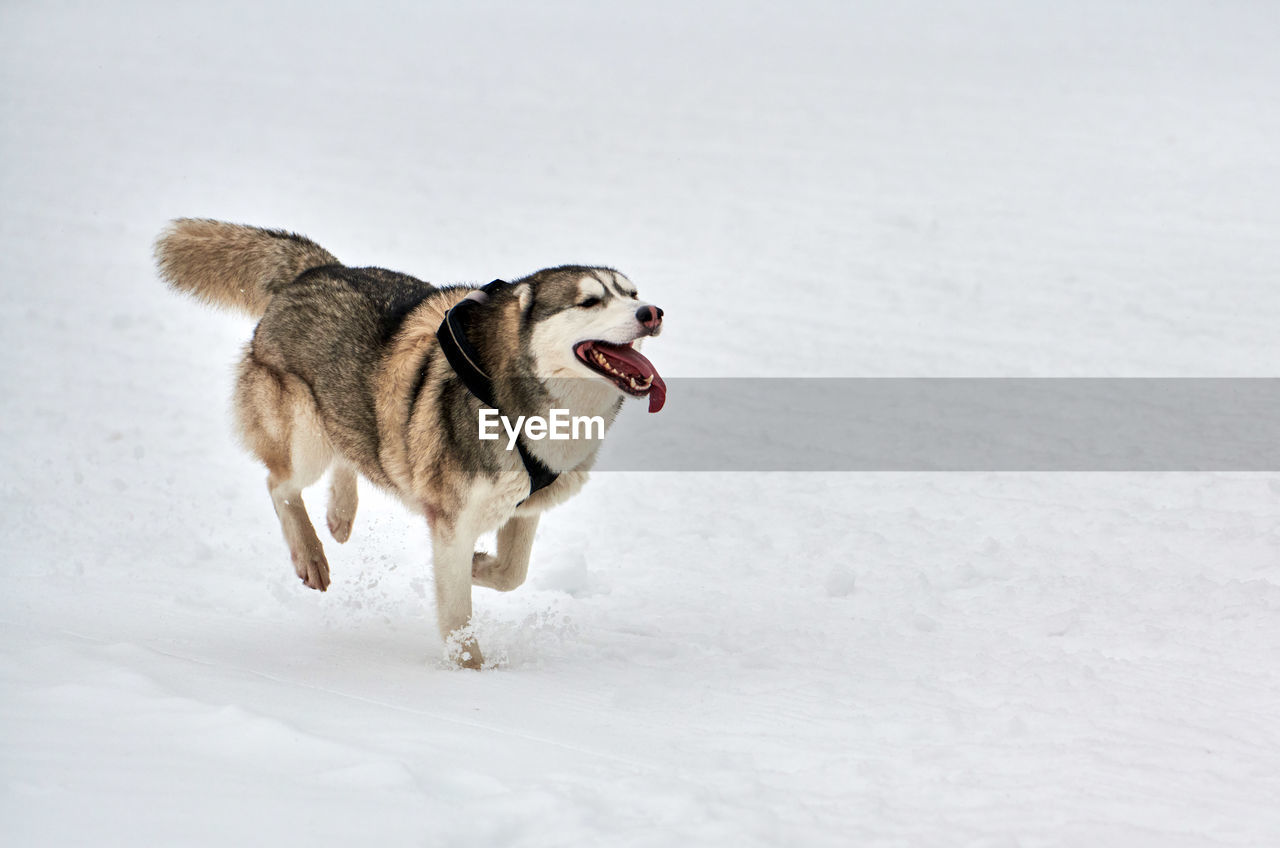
column 920, row 188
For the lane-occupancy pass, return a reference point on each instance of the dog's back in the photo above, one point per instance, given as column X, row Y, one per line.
column 331, row 328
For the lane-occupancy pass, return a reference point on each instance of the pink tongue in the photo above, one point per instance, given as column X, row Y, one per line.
column 657, row 394
column 639, row 364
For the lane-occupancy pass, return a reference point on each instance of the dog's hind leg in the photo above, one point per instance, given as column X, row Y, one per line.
column 342, row 500
column 509, row 568
column 281, row 426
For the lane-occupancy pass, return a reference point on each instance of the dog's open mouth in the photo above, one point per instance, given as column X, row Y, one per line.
column 626, row 367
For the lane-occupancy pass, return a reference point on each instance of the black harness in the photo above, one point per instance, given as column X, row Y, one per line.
column 466, row 363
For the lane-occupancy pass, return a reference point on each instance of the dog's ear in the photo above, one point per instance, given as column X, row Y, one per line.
column 524, row 297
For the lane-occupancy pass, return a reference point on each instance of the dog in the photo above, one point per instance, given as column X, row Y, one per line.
column 375, row 373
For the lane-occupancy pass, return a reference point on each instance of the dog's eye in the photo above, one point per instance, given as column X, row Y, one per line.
column 590, row 302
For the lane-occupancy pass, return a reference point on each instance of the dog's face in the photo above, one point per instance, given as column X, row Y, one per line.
column 588, row 323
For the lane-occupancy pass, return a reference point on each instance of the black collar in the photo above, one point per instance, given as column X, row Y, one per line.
column 466, row 363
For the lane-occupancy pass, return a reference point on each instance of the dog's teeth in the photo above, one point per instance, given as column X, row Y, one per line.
column 637, row 383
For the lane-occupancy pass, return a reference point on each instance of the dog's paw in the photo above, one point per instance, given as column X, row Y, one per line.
column 482, row 565
column 462, row 650
column 312, row 568
column 340, row 527
column 486, row 571
column 471, row 659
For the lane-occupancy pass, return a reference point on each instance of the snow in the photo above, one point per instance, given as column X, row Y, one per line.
column 885, row 189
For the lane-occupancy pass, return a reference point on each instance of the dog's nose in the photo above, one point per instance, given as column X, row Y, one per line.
column 649, row 316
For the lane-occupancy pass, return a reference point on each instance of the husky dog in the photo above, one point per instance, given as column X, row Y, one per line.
column 375, row 373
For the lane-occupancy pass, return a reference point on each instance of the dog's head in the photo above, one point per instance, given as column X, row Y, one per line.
column 582, row 322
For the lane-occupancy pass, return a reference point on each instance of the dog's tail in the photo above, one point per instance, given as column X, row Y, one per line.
column 234, row 265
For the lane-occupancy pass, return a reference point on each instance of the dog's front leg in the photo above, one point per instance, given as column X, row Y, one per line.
column 508, row 569
column 451, row 558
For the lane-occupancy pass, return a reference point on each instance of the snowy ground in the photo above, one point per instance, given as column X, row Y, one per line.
column 898, row 189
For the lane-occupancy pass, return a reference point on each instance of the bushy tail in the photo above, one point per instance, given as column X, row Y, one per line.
column 234, row 265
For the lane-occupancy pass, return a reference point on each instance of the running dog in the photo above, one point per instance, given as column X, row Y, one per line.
column 374, row 373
